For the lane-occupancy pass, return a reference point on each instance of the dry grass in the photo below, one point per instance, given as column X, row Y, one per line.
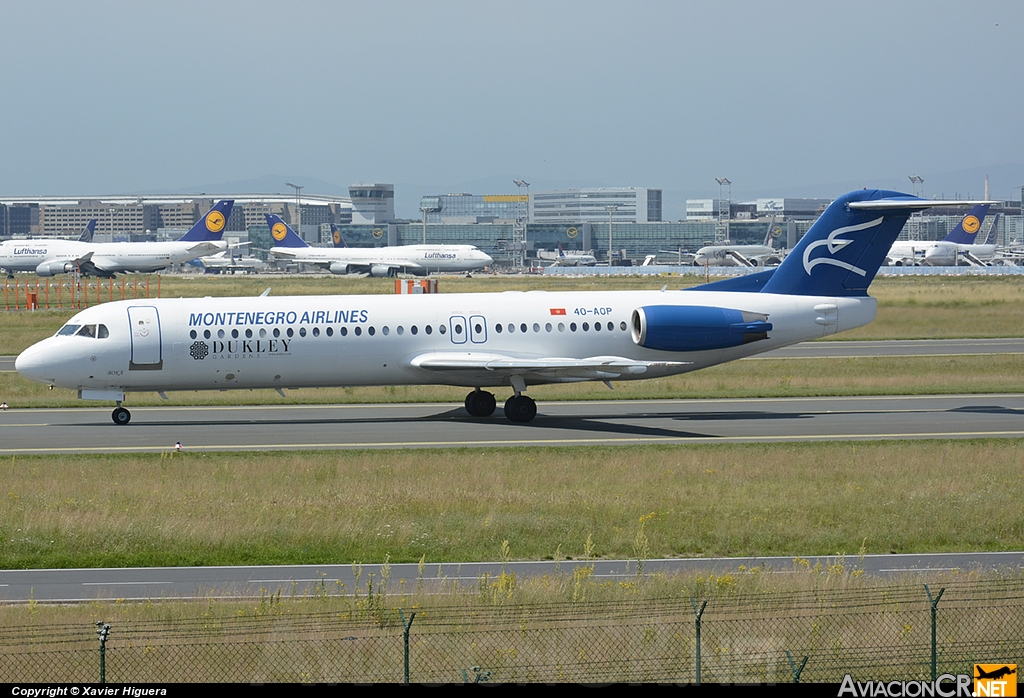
column 197, row 509
column 567, row 627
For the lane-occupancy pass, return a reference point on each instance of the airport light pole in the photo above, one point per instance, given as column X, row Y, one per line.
column 914, row 181
column 611, row 208
column 298, row 206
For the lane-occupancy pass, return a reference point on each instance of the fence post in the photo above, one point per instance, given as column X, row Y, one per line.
column 103, row 630
column 797, row 670
column 698, row 614
column 405, row 639
column 935, row 604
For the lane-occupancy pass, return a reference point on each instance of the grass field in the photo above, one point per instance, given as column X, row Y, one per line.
column 447, row 505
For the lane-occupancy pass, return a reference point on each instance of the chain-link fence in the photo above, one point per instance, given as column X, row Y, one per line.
column 882, row 632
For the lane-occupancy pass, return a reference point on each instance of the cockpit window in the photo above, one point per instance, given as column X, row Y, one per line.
column 102, row 332
column 87, row 331
column 67, row 330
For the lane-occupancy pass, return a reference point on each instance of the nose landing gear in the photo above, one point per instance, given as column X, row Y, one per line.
column 121, row 416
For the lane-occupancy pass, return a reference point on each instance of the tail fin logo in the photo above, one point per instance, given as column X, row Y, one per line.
column 971, row 225
column 834, row 244
column 215, row 221
column 337, row 237
column 279, row 231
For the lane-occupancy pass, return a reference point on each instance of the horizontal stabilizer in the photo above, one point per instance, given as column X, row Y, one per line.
column 911, row 204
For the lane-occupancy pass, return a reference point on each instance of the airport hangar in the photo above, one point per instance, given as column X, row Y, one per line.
column 576, row 219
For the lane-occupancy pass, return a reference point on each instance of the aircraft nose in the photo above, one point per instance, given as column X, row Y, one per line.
column 32, row 364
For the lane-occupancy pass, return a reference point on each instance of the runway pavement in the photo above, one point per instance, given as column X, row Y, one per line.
column 300, row 580
column 835, row 349
column 613, row 422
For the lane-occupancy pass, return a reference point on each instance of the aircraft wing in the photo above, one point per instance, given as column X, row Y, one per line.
column 550, row 368
column 96, row 266
column 203, row 248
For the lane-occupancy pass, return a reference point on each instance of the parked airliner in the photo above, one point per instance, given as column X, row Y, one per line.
column 375, row 261
column 478, row 340
column 729, row 255
column 47, row 257
column 958, row 246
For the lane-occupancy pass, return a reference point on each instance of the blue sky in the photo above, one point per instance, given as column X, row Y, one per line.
column 782, row 98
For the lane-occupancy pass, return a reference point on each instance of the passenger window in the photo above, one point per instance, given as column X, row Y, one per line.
column 343, row 331
column 498, row 328
column 428, row 329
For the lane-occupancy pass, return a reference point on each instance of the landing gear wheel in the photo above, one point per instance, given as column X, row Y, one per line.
column 480, row 403
column 520, row 409
column 121, row 416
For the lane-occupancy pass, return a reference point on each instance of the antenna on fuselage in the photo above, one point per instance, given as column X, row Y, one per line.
column 265, row 293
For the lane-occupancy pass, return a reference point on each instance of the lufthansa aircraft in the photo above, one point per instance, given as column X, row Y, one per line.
column 727, row 255
column 479, row 340
column 958, row 246
column 48, row 257
column 375, row 261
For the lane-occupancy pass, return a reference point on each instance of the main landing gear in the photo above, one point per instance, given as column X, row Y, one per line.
column 518, row 408
column 480, row 403
column 120, row 415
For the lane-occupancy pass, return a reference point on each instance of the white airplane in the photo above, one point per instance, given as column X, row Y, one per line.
column 728, row 255
column 574, row 259
column 478, row 340
column 48, row 257
column 959, row 246
column 228, row 262
column 375, row 261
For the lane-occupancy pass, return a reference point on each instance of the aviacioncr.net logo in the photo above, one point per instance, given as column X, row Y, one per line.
column 279, row 231
column 834, row 244
column 215, row 221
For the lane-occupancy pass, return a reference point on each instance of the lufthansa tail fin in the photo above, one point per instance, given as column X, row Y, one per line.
column 841, row 253
column 211, row 226
column 282, row 233
column 87, row 231
column 337, row 237
column 966, row 231
column 993, row 233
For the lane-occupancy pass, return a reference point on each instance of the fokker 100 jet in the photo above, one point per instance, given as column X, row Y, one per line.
column 48, row 257
column 479, row 340
column 375, row 261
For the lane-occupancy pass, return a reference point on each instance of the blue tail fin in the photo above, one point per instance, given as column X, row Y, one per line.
column 211, row 226
column 282, row 233
column 993, row 231
column 339, row 239
column 841, row 253
column 88, row 231
column 966, row 231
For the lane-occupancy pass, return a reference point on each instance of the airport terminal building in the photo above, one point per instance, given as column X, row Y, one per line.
column 575, row 219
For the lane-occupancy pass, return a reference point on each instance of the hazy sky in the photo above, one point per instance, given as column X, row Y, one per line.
column 121, row 97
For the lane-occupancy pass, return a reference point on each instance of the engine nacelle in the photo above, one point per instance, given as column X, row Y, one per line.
column 338, row 268
column 382, row 270
column 54, row 267
column 696, row 327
